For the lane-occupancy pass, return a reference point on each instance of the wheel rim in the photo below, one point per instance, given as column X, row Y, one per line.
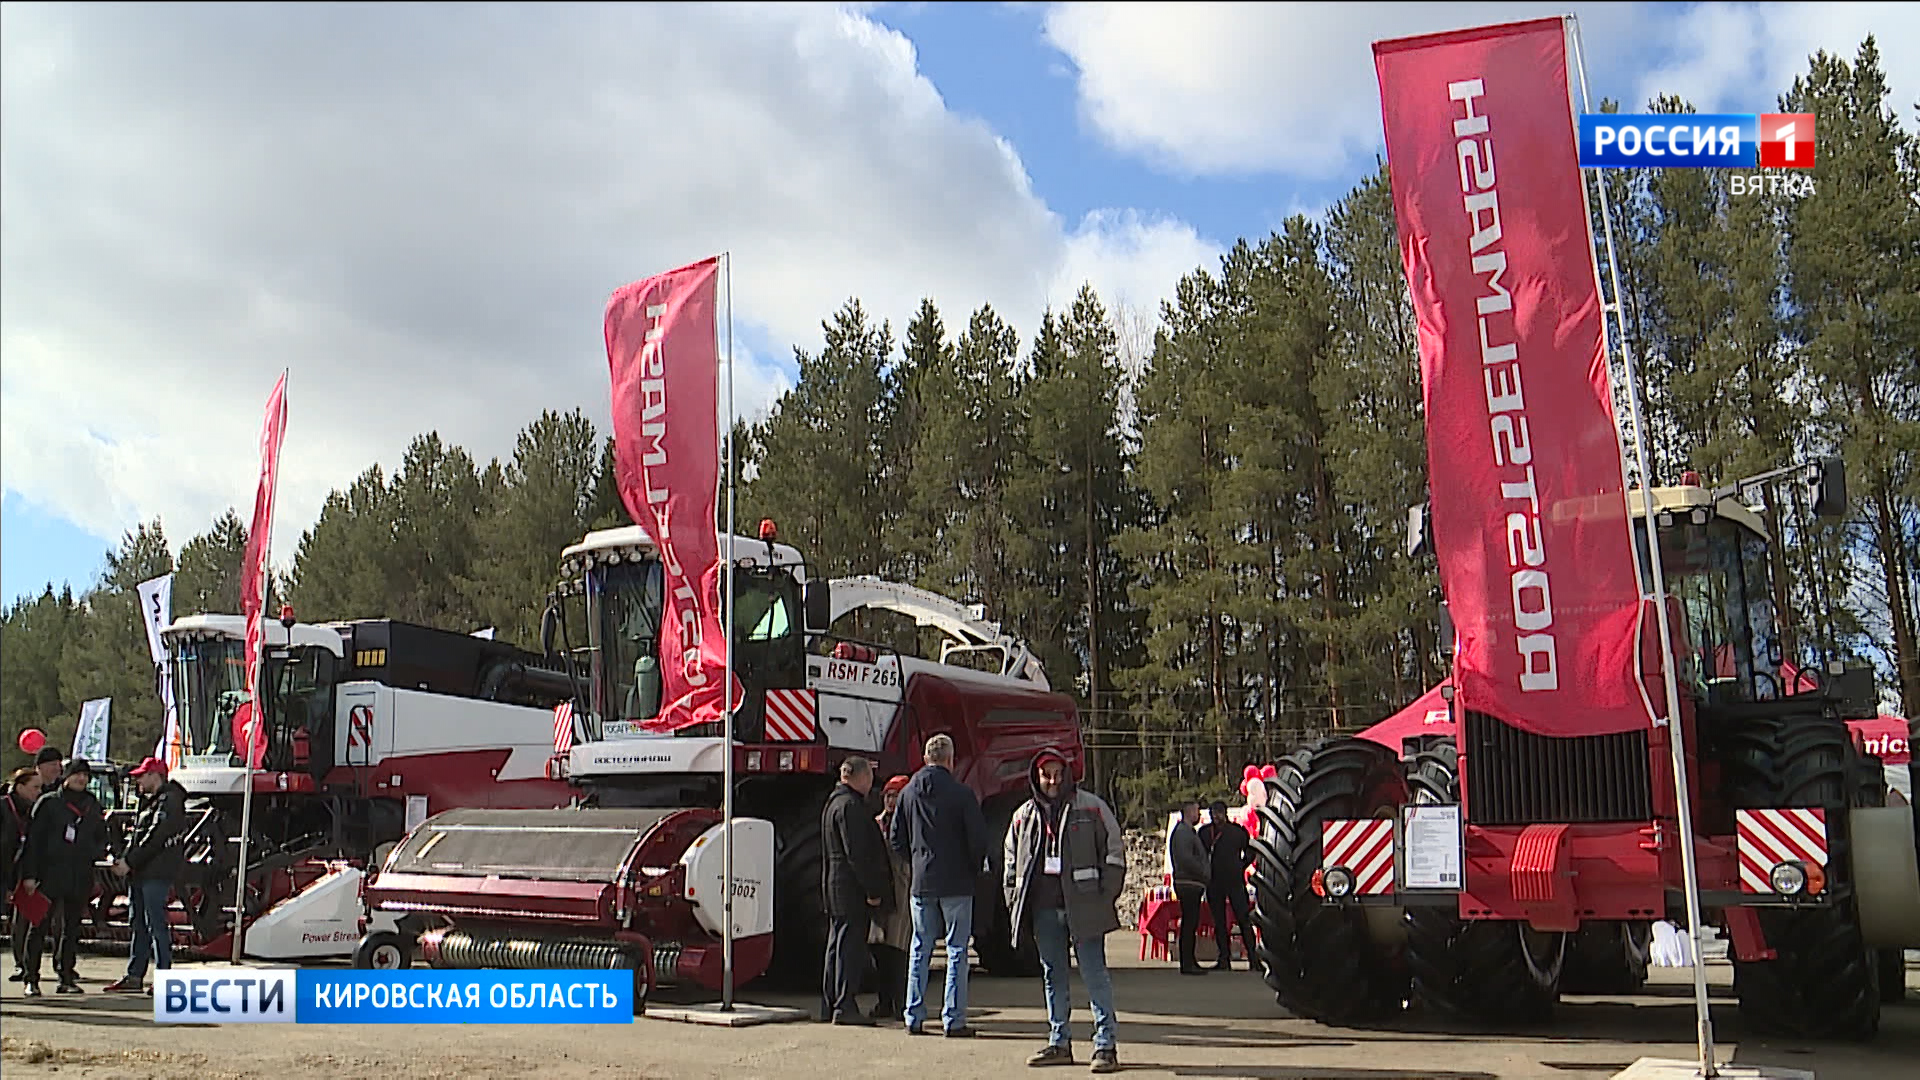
column 386, row 957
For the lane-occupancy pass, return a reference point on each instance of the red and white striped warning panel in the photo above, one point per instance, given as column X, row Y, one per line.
column 792, row 715
column 1767, row 838
column 1365, row 848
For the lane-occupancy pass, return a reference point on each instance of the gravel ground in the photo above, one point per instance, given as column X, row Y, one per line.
column 1220, row 1026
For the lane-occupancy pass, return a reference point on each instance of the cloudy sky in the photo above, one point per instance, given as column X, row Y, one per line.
column 421, row 210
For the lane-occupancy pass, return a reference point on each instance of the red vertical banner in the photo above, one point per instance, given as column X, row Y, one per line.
column 249, row 728
column 663, row 351
column 1523, row 456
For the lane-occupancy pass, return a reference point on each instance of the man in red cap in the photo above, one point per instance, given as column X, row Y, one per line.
column 152, row 861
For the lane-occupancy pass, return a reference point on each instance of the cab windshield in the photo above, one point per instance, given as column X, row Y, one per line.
column 1717, row 573
column 209, row 683
column 625, row 602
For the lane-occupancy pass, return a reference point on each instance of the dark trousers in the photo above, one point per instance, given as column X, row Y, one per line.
column 890, row 979
column 1190, row 909
column 152, row 936
column 1221, row 895
column 63, row 923
column 847, row 962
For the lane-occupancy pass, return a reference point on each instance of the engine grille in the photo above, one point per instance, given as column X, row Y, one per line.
column 1514, row 777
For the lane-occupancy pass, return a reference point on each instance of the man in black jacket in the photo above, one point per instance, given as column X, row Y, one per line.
column 859, row 885
column 68, row 835
column 151, row 863
column 939, row 823
column 1227, row 846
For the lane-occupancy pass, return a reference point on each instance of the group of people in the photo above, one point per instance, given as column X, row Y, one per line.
column 906, row 878
column 53, row 837
column 1210, row 868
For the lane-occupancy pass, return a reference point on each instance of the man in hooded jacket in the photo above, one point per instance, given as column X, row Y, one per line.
column 1065, row 865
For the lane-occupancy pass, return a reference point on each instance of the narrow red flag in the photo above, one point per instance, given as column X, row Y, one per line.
column 249, row 726
column 1529, row 508
column 664, row 357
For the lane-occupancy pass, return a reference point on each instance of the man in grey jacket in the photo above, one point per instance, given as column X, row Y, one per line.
column 1191, row 869
column 1065, row 865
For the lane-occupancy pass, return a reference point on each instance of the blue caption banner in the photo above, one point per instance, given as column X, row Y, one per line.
column 1669, row 140
column 417, row 996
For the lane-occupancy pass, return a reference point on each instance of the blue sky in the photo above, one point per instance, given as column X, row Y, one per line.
column 1147, row 139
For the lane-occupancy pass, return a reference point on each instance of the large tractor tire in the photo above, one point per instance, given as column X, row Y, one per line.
column 1479, row 970
column 799, row 906
column 993, row 926
column 1322, row 960
column 1824, row 982
column 1608, row 958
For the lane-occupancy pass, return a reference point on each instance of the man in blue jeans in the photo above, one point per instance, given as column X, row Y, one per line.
column 151, row 863
column 1064, row 867
column 938, row 824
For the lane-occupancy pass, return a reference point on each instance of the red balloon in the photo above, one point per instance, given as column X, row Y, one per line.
column 32, row 740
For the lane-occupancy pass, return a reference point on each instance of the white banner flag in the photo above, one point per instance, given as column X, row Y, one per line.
column 90, row 738
column 156, row 611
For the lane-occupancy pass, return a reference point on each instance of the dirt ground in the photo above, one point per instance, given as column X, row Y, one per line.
column 1225, row 1025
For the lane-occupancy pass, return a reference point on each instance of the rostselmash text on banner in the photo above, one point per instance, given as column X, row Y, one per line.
column 425, row 996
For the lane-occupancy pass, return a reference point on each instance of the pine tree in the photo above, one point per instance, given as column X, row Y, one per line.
column 1854, row 297
column 207, row 580
column 108, row 656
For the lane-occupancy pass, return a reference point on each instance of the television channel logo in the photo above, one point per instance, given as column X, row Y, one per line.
column 1697, row 141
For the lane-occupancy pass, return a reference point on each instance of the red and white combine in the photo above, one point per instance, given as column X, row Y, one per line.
column 629, row 879
column 371, row 726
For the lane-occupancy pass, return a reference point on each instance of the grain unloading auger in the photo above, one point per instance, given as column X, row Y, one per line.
column 626, row 889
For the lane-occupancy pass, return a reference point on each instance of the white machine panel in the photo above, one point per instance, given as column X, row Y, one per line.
column 858, row 700
column 321, row 920
column 375, row 723
column 752, row 878
column 653, row 754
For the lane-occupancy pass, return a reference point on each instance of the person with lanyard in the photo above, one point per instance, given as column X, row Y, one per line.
column 67, row 838
column 1065, row 864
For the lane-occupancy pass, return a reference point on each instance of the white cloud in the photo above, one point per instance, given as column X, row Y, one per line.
column 1227, row 89
column 1740, row 57
column 421, row 211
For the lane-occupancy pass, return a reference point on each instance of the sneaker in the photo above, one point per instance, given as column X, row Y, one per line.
column 851, row 1019
column 124, row 986
column 1054, row 1054
column 961, row 1032
column 68, row 988
column 1105, row 1061
column 19, row 975
column 32, row 990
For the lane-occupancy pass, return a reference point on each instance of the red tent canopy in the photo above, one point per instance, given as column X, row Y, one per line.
column 1428, row 715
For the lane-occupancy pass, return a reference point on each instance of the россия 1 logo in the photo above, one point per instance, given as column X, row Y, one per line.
column 1706, row 141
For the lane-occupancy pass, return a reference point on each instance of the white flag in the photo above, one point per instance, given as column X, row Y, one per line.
column 156, row 611
column 90, row 738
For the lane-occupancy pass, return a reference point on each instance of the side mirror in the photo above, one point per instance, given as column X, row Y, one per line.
column 1446, row 630
column 549, row 623
column 817, row 600
column 1419, row 540
column 1827, row 487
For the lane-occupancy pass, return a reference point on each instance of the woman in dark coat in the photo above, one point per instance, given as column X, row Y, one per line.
column 16, row 812
column 67, row 838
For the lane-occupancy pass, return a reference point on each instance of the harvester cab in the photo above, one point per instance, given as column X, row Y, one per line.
column 1479, row 870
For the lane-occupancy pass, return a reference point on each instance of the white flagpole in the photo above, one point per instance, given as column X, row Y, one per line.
column 726, row 781
column 1675, row 733
column 259, row 662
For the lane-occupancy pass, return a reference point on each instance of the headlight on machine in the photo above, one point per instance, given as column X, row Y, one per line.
column 1338, row 881
column 1788, row 879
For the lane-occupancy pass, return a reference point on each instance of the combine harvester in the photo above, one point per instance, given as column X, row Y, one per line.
column 632, row 879
column 371, row 726
column 1464, row 866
